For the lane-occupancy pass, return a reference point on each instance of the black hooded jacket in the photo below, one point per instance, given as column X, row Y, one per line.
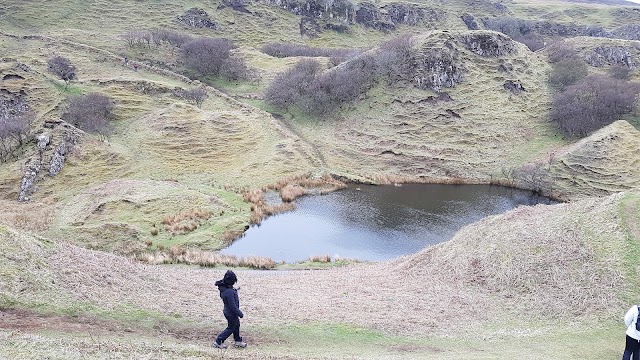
column 229, row 295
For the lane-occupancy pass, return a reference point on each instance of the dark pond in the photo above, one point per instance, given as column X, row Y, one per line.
column 376, row 222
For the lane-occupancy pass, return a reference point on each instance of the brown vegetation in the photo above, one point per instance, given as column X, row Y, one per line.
column 91, row 113
column 180, row 255
column 185, row 222
column 289, row 188
column 593, row 103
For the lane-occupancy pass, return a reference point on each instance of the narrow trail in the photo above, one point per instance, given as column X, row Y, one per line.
column 305, row 147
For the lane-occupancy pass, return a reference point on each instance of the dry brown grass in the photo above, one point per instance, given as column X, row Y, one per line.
column 180, row 255
column 320, row 258
column 185, row 222
column 290, row 188
column 30, row 216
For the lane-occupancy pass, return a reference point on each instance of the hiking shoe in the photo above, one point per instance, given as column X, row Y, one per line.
column 219, row 346
column 240, row 344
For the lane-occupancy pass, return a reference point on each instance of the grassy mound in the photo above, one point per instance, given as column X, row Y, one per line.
column 603, row 163
column 555, row 261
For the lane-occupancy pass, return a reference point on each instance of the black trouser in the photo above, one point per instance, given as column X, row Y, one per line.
column 632, row 347
column 233, row 327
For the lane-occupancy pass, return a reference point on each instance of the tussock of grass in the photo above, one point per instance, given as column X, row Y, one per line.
column 178, row 255
column 289, row 188
column 185, row 222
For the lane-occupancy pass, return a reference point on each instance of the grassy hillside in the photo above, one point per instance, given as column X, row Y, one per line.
column 537, row 282
column 412, row 304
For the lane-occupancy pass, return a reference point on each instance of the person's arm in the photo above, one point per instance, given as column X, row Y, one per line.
column 630, row 315
column 231, row 304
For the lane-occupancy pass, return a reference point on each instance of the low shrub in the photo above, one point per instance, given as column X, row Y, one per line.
column 593, row 103
column 91, row 113
column 62, row 68
column 14, row 132
column 284, row 50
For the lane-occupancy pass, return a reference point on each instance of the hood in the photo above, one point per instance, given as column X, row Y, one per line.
column 228, row 280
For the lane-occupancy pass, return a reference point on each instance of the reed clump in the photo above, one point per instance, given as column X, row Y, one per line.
column 185, row 222
column 181, row 255
column 289, row 188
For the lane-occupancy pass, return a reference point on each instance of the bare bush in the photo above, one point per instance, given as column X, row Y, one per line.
column 234, row 68
column 534, row 177
column 283, row 50
column 138, row 38
column 171, row 37
column 207, row 56
column 316, row 93
column 567, row 72
column 593, row 103
column 14, row 132
column 562, row 51
column 394, row 58
column 289, row 87
column 62, row 68
column 533, row 41
column 197, row 96
column 620, row 72
column 91, row 113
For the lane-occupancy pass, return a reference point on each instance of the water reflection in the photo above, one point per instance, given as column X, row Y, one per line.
column 376, row 222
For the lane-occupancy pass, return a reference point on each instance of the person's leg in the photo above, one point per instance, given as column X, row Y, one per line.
column 231, row 320
column 636, row 350
column 631, row 348
column 236, row 331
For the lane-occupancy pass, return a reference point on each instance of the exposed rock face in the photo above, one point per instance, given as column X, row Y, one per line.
column 438, row 68
column 612, row 55
column 369, row 15
column 197, row 18
column 28, row 181
column 339, row 14
column 342, row 10
column 470, row 22
column 43, row 141
column 514, row 86
column 12, row 104
column 489, row 44
column 400, row 13
column 627, row 32
column 237, row 5
column 603, row 163
column 309, row 27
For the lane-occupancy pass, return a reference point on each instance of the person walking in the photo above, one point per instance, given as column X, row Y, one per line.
column 231, row 311
column 632, row 346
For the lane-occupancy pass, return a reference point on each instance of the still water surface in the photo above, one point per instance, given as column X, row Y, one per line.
column 376, row 222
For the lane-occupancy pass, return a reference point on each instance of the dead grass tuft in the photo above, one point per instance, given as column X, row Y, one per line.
column 185, row 222
column 290, row 188
column 180, row 255
column 320, row 258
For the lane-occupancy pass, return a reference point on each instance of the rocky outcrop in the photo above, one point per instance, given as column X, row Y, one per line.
column 197, row 18
column 402, row 13
column 27, row 186
column 470, row 22
column 12, row 104
column 438, row 68
column 612, row 55
column 488, row 44
column 309, row 27
column 237, row 5
column 515, row 87
column 627, row 32
column 339, row 14
column 369, row 15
